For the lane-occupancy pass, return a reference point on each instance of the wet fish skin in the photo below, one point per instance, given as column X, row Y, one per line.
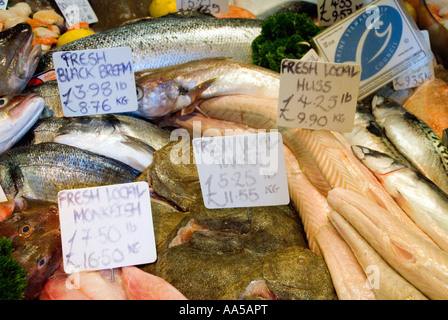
column 40, row 171
column 157, row 42
column 124, row 138
column 17, row 114
column 420, row 198
column 19, row 58
column 49, row 91
column 36, row 240
column 177, row 87
column 366, row 132
column 414, row 139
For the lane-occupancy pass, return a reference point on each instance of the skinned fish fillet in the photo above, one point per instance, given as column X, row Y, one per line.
column 347, row 275
column 417, row 260
column 384, row 281
column 332, row 162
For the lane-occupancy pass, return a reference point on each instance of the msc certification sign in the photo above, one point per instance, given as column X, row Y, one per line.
column 381, row 38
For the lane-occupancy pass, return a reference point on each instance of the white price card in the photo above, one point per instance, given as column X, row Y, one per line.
column 206, row 6
column 106, row 227
column 3, row 197
column 318, row 95
column 3, row 4
column 75, row 11
column 242, row 170
column 96, row 81
column 416, row 78
column 382, row 38
column 331, row 11
column 311, row 55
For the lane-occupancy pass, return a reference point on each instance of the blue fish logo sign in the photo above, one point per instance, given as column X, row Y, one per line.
column 371, row 40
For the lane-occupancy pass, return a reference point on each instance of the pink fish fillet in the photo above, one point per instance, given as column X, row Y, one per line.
column 348, row 277
column 336, row 164
column 416, row 259
column 140, row 285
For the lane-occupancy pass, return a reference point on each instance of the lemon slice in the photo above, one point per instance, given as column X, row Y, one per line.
column 159, row 8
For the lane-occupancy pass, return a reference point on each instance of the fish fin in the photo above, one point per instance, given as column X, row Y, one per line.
column 137, row 143
column 187, row 110
column 189, row 100
column 199, row 110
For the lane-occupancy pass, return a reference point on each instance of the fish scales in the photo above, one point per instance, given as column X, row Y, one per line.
column 172, row 39
column 414, row 139
column 40, row 171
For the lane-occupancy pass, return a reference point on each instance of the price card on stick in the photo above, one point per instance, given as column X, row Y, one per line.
column 96, row 81
column 242, row 170
column 3, row 4
column 318, row 95
column 75, row 11
column 206, row 6
column 106, row 227
column 331, row 11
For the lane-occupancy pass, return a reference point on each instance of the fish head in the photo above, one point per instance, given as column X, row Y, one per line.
column 17, row 114
column 40, row 257
column 19, row 58
column 383, row 107
column 158, row 97
column 36, row 239
column 31, row 220
column 377, row 162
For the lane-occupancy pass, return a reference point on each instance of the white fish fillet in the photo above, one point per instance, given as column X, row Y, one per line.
column 416, row 259
column 384, row 281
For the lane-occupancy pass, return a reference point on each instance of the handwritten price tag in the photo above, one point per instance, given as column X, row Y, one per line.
column 206, row 6
column 318, row 95
column 242, row 170
column 332, row 11
column 417, row 77
column 75, row 11
column 106, row 227
column 96, row 81
column 3, row 4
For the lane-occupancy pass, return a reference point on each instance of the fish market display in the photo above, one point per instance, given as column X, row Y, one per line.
column 414, row 139
column 35, row 235
column 17, row 115
column 40, row 171
column 19, row 58
column 421, row 199
column 157, row 42
column 175, row 88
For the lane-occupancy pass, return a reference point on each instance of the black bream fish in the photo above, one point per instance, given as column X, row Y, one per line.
column 17, row 114
column 172, row 39
column 36, row 240
column 18, row 58
column 40, row 171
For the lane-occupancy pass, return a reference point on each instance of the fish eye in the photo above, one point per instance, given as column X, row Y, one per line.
column 25, row 230
column 41, row 263
column 3, row 101
column 182, row 90
column 139, row 93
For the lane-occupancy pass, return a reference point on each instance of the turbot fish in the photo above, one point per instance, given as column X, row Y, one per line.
column 40, row 171
column 172, row 39
column 414, row 139
column 17, row 115
column 19, row 58
column 179, row 87
column 421, row 199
